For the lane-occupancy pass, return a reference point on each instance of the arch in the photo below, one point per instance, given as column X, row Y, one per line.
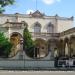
column 15, row 39
column 50, row 28
column 37, row 27
column 66, row 47
column 72, row 37
column 53, row 41
column 66, row 39
column 52, row 46
column 15, row 34
column 72, row 46
column 40, row 48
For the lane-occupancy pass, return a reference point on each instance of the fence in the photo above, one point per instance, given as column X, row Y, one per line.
column 26, row 64
column 66, row 63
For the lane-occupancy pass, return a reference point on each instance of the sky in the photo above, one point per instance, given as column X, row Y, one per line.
column 64, row 8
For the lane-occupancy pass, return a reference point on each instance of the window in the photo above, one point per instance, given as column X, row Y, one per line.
column 50, row 28
column 37, row 28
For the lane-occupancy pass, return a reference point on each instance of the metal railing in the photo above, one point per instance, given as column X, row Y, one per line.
column 66, row 63
column 45, row 34
column 26, row 64
column 39, row 65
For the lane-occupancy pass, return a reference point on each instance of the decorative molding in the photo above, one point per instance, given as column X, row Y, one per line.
column 37, row 14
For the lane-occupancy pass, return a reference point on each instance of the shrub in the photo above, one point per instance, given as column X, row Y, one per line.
column 5, row 46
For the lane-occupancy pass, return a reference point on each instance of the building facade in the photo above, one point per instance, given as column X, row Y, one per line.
column 53, row 33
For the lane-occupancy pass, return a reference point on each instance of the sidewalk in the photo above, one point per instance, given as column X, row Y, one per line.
column 37, row 73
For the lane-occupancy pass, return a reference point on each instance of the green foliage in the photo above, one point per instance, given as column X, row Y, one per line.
column 28, row 43
column 4, row 3
column 1, row 10
column 5, row 46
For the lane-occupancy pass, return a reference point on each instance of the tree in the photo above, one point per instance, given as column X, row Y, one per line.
column 5, row 46
column 28, row 43
column 4, row 3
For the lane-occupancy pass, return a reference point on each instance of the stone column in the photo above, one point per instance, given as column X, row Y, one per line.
column 52, row 46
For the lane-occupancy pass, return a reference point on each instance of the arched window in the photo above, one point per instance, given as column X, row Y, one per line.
column 50, row 28
column 37, row 27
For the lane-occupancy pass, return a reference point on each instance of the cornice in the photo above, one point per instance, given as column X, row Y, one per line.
column 37, row 14
column 69, row 31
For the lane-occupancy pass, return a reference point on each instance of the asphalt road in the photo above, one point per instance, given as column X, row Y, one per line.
column 37, row 73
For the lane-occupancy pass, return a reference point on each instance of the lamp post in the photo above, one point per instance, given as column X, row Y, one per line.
column 21, row 49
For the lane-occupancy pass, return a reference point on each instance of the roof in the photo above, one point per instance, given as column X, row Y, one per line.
column 69, row 31
column 37, row 13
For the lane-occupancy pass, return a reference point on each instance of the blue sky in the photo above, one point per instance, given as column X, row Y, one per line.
column 49, row 7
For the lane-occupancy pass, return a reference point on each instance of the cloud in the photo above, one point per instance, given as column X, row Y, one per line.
column 49, row 2
column 28, row 11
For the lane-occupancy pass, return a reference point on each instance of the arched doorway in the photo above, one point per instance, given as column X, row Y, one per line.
column 66, row 47
column 15, row 39
column 72, row 46
column 40, row 48
column 53, row 47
